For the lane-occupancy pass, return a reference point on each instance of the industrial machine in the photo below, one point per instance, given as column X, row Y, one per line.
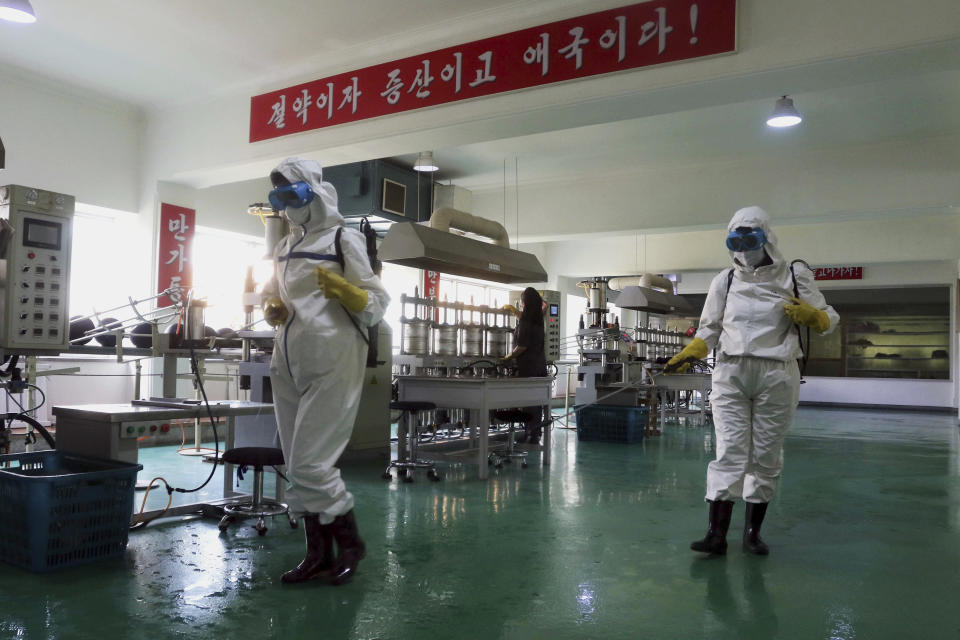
column 35, row 240
column 456, row 348
column 617, row 364
column 440, row 336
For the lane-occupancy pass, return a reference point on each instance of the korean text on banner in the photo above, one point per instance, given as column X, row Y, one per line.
column 431, row 289
column 177, row 226
column 638, row 35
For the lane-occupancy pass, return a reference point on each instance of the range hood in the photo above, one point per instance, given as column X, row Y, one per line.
column 424, row 247
column 651, row 301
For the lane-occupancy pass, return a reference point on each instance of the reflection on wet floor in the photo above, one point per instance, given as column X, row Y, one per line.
column 863, row 543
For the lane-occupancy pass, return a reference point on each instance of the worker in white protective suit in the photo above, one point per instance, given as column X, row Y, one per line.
column 752, row 316
column 323, row 298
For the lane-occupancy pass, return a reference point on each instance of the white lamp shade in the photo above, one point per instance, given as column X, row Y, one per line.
column 17, row 11
column 784, row 114
column 425, row 162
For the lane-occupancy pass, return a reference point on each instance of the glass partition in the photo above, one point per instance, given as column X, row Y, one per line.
column 886, row 333
column 899, row 332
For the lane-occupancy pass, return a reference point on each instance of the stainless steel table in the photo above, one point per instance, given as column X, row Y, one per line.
column 684, row 382
column 111, row 431
column 480, row 395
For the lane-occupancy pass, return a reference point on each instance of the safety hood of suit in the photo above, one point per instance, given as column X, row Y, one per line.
column 747, row 262
column 744, row 315
column 321, row 213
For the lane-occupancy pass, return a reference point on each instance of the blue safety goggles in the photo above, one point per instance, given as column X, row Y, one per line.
column 296, row 195
column 740, row 241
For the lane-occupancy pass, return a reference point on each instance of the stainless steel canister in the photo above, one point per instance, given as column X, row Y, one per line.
column 472, row 335
column 416, row 337
column 445, row 340
column 596, row 301
column 496, row 342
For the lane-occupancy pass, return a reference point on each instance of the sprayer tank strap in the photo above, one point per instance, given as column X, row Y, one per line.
column 796, row 294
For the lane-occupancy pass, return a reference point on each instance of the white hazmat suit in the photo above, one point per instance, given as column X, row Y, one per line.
column 756, row 380
column 319, row 358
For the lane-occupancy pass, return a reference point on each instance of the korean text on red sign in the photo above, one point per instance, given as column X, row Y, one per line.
column 838, row 273
column 176, row 244
column 631, row 37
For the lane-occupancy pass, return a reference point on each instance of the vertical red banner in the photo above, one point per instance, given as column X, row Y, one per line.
column 177, row 227
column 431, row 289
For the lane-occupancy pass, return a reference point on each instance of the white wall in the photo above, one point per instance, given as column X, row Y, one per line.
column 893, row 179
column 940, row 394
column 101, row 380
column 68, row 141
column 908, row 238
column 225, row 206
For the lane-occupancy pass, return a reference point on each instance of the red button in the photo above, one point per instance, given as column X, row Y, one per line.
column 31, row 255
column 153, row 428
column 165, row 428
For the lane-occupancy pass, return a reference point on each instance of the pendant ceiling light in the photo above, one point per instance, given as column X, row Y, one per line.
column 17, row 11
column 784, row 114
column 424, row 161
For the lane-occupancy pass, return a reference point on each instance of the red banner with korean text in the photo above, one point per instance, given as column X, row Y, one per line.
column 639, row 35
column 176, row 249
column 431, row 289
column 838, row 273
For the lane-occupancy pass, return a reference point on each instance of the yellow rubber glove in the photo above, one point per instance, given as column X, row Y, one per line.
column 807, row 315
column 512, row 309
column 336, row 287
column 697, row 350
column 275, row 312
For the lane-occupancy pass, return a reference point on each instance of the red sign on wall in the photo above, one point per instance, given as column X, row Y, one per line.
column 631, row 37
column 176, row 249
column 838, row 273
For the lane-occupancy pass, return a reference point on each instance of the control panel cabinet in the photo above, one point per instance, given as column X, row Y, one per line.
column 35, row 240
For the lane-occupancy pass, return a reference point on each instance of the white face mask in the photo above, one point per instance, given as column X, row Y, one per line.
column 752, row 258
column 298, row 216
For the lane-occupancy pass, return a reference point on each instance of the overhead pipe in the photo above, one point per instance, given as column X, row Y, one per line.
column 445, row 218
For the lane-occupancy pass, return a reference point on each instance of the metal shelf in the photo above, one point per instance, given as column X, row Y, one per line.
column 897, row 333
column 873, row 359
column 901, row 371
column 872, row 346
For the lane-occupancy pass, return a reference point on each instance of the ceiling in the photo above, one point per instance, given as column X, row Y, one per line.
column 156, row 53
column 162, row 53
column 908, row 106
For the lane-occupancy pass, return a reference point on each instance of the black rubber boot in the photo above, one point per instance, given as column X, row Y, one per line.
column 319, row 559
column 751, row 529
column 715, row 542
column 350, row 548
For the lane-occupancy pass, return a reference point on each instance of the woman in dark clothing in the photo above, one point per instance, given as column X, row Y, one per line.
column 528, row 352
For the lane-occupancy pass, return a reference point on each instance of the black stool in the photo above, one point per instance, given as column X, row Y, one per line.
column 407, row 461
column 257, row 506
column 510, row 417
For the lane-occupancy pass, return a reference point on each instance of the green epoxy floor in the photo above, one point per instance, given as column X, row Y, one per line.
column 865, row 543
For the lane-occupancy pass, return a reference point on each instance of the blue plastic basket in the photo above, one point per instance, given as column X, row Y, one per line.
column 59, row 510
column 610, row 423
